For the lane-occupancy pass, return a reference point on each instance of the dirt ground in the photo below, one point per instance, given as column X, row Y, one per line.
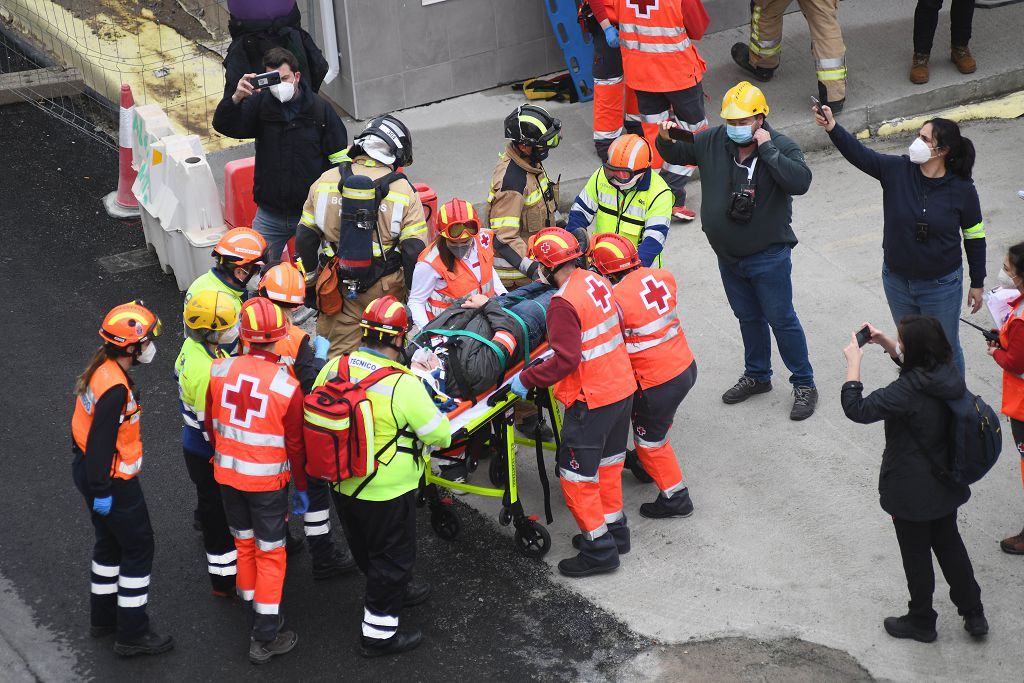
column 168, row 12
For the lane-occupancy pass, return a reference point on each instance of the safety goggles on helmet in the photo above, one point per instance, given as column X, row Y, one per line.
column 386, row 316
column 463, row 230
column 241, row 247
column 623, row 175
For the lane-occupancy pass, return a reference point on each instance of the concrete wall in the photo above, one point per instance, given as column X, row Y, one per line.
column 398, row 53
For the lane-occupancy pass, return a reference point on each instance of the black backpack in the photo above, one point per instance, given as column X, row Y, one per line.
column 975, row 441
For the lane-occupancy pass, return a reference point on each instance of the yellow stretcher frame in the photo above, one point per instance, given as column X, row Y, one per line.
column 531, row 537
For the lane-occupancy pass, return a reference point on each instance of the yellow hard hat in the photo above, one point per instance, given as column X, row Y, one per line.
column 210, row 310
column 743, row 100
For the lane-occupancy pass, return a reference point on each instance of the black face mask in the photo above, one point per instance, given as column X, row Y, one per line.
column 539, row 154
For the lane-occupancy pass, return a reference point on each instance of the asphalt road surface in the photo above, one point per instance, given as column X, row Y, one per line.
column 493, row 615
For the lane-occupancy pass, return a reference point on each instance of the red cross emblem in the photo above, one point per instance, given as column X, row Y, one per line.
column 599, row 293
column 485, row 239
column 244, row 400
column 643, row 7
column 655, row 295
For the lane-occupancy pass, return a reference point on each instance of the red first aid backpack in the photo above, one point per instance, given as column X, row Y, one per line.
column 338, row 426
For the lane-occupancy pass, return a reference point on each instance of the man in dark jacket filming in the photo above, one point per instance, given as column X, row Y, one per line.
column 298, row 137
column 749, row 174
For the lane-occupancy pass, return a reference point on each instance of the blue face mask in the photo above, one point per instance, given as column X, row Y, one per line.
column 739, row 134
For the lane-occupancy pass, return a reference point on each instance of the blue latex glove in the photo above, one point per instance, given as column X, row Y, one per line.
column 518, row 388
column 321, row 345
column 300, row 503
column 101, row 506
column 611, row 36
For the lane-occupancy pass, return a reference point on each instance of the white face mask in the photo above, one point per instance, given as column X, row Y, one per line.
column 283, row 91
column 148, row 353
column 919, row 151
column 228, row 336
column 1005, row 280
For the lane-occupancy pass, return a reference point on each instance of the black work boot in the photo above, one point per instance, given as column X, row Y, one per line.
column 906, row 627
column 148, row 644
column 262, row 652
column 416, row 592
column 975, row 623
column 337, row 563
column 402, row 641
column 741, row 55
column 744, row 388
column 618, row 530
column 528, row 428
column 634, row 465
column 595, row 557
column 678, row 505
column 836, row 106
column 293, row 544
column 804, row 401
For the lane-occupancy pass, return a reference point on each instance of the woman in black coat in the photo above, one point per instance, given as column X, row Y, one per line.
column 923, row 508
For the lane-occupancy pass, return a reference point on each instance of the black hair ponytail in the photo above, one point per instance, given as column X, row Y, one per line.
column 960, row 155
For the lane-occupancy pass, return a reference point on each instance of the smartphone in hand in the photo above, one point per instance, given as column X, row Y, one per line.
column 266, row 80
column 681, row 135
column 863, row 335
column 816, row 103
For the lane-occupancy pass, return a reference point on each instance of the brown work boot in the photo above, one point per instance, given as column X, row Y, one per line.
column 1014, row 544
column 964, row 60
column 919, row 69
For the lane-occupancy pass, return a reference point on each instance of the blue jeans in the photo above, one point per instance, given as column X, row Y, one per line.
column 760, row 290
column 533, row 310
column 940, row 298
column 277, row 229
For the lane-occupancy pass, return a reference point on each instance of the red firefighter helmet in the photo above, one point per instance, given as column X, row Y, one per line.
column 457, row 212
column 130, row 323
column 554, row 246
column 386, row 315
column 262, row 321
column 613, row 253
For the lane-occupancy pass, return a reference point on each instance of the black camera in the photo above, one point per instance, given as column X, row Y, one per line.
column 741, row 205
column 921, row 232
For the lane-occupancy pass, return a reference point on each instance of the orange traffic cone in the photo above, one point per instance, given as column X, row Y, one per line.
column 122, row 203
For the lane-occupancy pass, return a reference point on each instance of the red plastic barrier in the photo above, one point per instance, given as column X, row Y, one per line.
column 239, row 206
column 429, row 200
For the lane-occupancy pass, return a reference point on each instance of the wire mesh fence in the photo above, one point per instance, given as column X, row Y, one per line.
column 168, row 51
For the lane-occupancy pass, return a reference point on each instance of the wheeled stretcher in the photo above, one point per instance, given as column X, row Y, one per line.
column 490, row 417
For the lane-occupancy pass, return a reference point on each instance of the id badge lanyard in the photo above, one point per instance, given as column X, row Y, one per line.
column 750, row 173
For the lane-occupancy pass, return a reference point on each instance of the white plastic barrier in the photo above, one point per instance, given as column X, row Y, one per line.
column 181, row 209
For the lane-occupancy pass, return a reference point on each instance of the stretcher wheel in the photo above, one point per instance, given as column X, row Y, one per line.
column 497, row 471
column 445, row 523
column 505, row 516
column 532, row 540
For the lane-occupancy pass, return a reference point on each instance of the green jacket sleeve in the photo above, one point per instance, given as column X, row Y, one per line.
column 680, row 153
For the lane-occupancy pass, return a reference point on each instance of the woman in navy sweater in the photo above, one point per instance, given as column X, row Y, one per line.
column 929, row 205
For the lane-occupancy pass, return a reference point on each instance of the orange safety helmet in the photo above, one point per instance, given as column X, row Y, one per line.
column 613, row 253
column 241, row 247
column 629, row 153
column 386, row 315
column 553, row 247
column 284, row 284
column 262, row 321
column 130, row 323
column 455, row 212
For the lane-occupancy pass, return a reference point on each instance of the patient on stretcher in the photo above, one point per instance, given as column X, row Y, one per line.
column 477, row 341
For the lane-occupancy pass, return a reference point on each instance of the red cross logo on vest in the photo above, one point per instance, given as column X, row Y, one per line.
column 643, row 8
column 599, row 293
column 655, row 294
column 244, row 400
column 485, row 239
